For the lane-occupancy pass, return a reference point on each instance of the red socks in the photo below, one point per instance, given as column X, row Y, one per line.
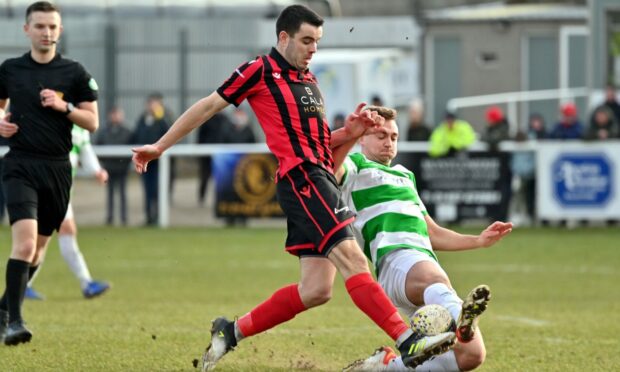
column 285, row 303
column 372, row 300
column 282, row 306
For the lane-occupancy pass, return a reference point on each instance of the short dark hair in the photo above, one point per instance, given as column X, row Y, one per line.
column 155, row 96
column 41, row 6
column 292, row 17
column 450, row 115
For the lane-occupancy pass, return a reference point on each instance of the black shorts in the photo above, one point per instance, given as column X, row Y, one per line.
column 317, row 217
column 37, row 188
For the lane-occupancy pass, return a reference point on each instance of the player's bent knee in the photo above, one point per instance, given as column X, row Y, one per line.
column 427, row 273
column 316, row 296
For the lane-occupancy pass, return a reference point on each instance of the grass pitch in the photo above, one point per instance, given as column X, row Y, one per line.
column 555, row 303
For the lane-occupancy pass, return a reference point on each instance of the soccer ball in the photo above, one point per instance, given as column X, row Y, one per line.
column 430, row 320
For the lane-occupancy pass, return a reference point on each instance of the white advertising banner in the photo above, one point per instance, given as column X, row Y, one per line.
column 577, row 180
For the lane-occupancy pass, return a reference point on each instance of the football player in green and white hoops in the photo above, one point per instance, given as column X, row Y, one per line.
column 399, row 237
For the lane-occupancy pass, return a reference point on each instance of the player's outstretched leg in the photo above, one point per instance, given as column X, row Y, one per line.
column 474, row 305
column 418, row 349
column 222, row 341
column 378, row 361
column 416, row 354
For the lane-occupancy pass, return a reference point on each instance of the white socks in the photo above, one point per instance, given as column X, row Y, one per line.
column 73, row 257
column 440, row 294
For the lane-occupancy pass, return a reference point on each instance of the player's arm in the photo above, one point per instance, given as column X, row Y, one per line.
column 339, row 174
column 339, row 154
column 443, row 239
column 196, row 115
column 356, row 125
column 7, row 129
column 90, row 163
column 84, row 114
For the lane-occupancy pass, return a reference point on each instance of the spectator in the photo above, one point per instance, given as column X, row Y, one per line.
column 338, row 121
column 603, row 125
column 569, row 127
column 497, row 128
column 611, row 102
column 418, row 131
column 209, row 132
column 152, row 124
column 376, row 100
column 451, row 136
column 115, row 132
column 536, row 127
column 239, row 131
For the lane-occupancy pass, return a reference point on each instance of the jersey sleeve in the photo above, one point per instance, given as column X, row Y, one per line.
column 243, row 82
column 85, row 87
column 4, row 94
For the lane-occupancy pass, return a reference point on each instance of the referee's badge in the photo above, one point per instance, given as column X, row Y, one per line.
column 92, row 84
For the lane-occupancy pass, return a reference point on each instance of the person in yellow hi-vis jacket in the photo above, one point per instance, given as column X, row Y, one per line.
column 450, row 136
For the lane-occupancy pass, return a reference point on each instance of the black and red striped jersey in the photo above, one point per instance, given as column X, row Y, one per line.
column 289, row 107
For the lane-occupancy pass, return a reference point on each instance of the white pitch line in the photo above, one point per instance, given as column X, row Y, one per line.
column 528, row 269
column 524, row 320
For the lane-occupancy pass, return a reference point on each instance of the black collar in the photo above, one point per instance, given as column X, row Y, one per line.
column 283, row 63
column 28, row 57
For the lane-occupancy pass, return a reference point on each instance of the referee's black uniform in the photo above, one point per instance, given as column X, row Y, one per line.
column 37, row 173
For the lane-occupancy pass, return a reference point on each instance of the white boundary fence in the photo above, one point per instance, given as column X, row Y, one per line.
column 194, row 150
column 540, row 148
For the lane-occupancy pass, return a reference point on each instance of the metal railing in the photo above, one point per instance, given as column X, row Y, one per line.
column 511, row 99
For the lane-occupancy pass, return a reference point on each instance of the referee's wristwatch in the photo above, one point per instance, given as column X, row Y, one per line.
column 70, row 108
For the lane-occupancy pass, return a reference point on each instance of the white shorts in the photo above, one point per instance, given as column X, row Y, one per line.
column 69, row 213
column 393, row 276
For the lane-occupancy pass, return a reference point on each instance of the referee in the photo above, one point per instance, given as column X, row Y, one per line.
column 47, row 93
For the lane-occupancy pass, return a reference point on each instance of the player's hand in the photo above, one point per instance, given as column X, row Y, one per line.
column 102, row 176
column 494, row 233
column 7, row 129
column 50, row 99
column 360, row 122
column 142, row 155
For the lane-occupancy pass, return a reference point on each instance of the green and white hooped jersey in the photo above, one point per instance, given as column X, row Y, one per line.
column 82, row 151
column 390, row 214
